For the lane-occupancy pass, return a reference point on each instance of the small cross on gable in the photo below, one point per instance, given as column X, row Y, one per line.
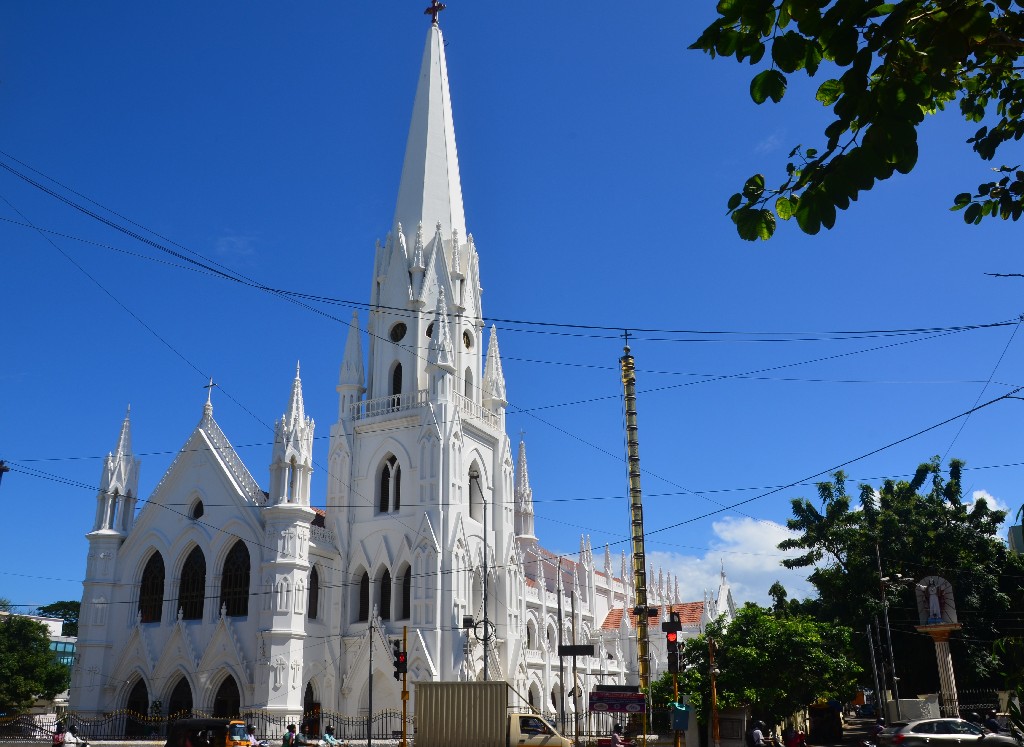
column 435, row 8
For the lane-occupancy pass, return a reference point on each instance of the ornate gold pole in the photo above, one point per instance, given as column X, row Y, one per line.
column 636, row 522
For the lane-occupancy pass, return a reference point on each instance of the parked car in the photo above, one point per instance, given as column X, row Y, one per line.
column 941, row 732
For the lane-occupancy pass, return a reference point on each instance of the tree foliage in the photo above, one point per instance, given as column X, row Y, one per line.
column 775, row 663
column 915, row 534
column 67, row 611
column 888, row 66
column 28, row 668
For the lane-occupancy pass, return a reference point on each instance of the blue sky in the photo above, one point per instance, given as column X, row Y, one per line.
column 597, row 154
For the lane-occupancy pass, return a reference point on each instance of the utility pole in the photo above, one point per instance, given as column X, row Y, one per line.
column 369, row 694
column 888, row 635
column 561, row 657
column 715, row 733
column 405, row 686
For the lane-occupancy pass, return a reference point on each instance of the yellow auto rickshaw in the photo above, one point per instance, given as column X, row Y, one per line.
column 207, row 732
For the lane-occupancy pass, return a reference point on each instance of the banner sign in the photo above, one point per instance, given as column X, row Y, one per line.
column 604, row 702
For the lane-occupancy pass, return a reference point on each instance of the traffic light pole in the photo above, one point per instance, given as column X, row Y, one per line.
column 405, row 686
column 675, row 699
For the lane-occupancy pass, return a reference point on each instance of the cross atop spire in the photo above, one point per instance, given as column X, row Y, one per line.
column 435, row 8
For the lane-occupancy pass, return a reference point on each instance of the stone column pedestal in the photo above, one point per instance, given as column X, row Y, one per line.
column 947, row 680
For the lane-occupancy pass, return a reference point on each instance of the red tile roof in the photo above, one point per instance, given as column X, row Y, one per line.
column 689, row 614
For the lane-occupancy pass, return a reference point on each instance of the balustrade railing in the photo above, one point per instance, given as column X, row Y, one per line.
column 370, row 408
column 471, row 408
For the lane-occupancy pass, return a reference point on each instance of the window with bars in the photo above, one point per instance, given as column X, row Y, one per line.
column 151, row 589
column 234, row 581
column 192, row 589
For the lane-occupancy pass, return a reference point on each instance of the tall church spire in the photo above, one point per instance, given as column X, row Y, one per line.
column 431, row 190
column 524, row 496
column 119, row 485
column 292, row 462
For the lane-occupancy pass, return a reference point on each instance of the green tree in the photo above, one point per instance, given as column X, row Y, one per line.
column 67, row 610
column 775, row 663
column 888, row 66
column 28, row 668
column 5, row 605
column 914, row 534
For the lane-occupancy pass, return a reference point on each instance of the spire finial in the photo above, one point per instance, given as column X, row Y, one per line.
column 435, row 8
column 209, row 392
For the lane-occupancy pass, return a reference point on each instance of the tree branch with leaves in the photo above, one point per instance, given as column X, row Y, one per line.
column 892, row 64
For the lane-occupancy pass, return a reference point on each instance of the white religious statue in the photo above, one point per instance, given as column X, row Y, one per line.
column 935, row 601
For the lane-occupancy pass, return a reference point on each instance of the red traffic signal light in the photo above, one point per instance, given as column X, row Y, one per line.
column 672, row 637
column 401, row 660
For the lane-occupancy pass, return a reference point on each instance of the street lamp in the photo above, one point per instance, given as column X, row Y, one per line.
column 896, row 578
column 474, row 476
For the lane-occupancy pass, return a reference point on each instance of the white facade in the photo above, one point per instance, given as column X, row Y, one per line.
column 220, row 595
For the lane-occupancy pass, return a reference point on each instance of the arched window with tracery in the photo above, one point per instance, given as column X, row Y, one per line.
column 390, row 486
column 313, row 602
column 385, row 596
column 151, row 589
column 364, row 598
column 234, row 581
column 192, row 589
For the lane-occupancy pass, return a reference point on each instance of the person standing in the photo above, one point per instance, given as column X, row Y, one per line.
column 617, row 738
column 291, row 738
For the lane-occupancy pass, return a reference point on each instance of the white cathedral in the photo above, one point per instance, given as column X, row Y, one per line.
column 222, row 597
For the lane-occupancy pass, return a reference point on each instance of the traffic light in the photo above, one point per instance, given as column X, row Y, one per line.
column 401, row 663
column 680, row 716
column 672, row 639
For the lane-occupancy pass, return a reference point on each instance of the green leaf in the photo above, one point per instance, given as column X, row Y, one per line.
column 973, row 214
column 753, row 224
column 768, row 84
column 963, row 199
column 735, row 200
column 829, row 92
column 788, row 51
column 784, row 208
column 753, row 188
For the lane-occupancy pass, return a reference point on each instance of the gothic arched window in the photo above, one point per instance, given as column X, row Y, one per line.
column 313, row 604
column 234, row 582
column 364, row 598
column 396, row 380
column 385, row 596
column 151, row 589
column 192, row 588
column 469, row 383
column 390, row 487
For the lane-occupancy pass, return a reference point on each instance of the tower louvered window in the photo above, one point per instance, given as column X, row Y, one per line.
column 364, row 598
column 406, row 585
column 234, row 583
column 385, row 596
column 151, row 589
column 313, row 604
column 192, row 588
column 396, row 380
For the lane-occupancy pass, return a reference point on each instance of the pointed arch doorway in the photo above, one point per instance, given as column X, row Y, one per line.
column 310, row 713
column 227, row 703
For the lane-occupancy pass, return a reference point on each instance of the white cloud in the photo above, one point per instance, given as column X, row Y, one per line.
column 233, row 245
column 748, row 550
column 769, row 144
column 991, row 500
